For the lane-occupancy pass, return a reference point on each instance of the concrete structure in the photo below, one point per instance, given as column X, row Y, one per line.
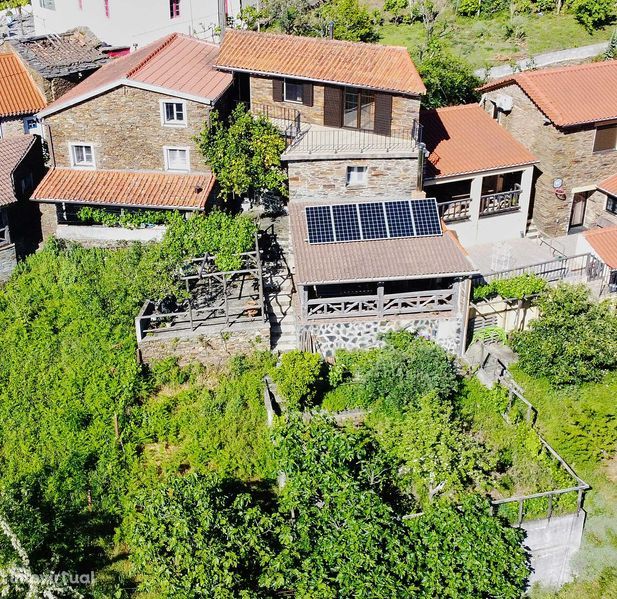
column 135, row 22
column 566, row 117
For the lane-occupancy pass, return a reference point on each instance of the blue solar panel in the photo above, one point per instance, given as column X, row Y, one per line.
column 399, row 219
column 346, row 225
column 426, row 217
column 373, row 220
column 319, row 222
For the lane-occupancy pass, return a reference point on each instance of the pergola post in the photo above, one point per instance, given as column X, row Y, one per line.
column 380, row 294
column 304, row 301
column 226, row 300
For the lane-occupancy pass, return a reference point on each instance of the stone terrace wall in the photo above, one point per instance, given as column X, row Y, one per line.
column 210, row 349
column 124, row 125
column 8, row 262
column 565, row 154
column 326, row 179
column 351, row 335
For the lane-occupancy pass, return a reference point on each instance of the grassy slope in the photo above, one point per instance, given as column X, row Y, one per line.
column 562, row 420
column 482, row 41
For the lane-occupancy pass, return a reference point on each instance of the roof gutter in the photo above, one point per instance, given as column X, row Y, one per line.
column 384, row 279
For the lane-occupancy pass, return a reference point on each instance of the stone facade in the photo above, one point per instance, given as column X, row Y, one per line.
column 11, row 126
column 125, row 128
column 351, row 335
column 596, row 211
column 322, row 180
column 212, row 349
column 563, row 153
column 49, row 220
column 8, row 262
column 404, row 109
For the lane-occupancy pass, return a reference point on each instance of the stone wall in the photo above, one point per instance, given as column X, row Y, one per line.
column 212, row 349
column 330, row 336
column 324, row 179
column 404, row 109
column 49, row 220
column 8, row 262
column 596, row 213
column 124, row 126
column 11, row 127
column 566, row 154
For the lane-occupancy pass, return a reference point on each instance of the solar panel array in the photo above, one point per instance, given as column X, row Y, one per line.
column 374, row 220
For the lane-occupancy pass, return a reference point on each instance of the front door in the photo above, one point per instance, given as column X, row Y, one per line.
column 579, row 203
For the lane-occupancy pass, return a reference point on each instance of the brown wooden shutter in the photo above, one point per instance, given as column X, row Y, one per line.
column 383, row 114
column 307, row 94
column 277, row 90
column 606, row 138
column 333, row 106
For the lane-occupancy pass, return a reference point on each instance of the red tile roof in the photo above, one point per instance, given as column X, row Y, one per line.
column 353, row 63
column 18, row 93
column 569, row 95
column 176, row 64
column 12, row 152
column 379, row 260
column 604, row 243
column 465, row 139
column 126, row 188
column 609, row 185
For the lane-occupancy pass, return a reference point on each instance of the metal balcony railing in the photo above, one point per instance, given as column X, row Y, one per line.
column 287, row 120
column 498, row 203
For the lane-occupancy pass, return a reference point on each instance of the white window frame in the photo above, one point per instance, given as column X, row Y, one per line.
column 352, row 178
column 166, row 150
column 293, row 82
column 48, row 4
column 80, row 144
column 174, row 123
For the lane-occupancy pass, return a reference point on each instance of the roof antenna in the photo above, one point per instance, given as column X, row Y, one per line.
column 331, row 30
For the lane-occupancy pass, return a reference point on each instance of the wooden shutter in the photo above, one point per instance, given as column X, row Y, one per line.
column 277, row 90
column 606, row 138
column 307, row 94
column 383, row 114
column 333, row 106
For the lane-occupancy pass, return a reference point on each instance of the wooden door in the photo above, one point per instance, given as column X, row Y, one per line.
column 579, row 203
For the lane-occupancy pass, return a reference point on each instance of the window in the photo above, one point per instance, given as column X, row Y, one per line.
column 81, row 4
column 359, row 110
column 106, row 4
column 177, row 159
column 606, row 138
column 27, row 184
column 173, row 113
column 611, row 204
column 82, row 155
column 294, row 91
column 48, row 4
column 31, row 125
column 356, row 176
column 174, row 9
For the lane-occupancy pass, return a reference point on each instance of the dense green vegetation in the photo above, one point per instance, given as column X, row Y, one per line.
column 518, row 288
column 129, row 219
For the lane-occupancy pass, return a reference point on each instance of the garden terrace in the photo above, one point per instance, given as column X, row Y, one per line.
column 216, row 300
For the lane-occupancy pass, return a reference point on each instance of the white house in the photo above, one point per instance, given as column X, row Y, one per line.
column 135, row 22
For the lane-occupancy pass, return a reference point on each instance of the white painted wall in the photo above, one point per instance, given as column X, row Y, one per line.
column 499, row 227
column 133, row 22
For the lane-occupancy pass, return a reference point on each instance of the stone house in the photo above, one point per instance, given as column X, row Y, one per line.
column 348, row 110
column 602, row 204
column 21, row 168
column 57, row 63
column 20, row 98
column 480, row 175
column 602, row 243
column 567, row 117
column 123, row 139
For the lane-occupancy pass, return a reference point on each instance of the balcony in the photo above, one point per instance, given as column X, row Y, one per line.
column 456, row 210
column 498, row 203
column 5, row 236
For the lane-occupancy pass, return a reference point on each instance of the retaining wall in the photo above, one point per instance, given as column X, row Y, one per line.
column 8, row 262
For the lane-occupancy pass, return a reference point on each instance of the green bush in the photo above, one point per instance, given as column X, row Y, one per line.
column 594, row 13
column 574, row 340
column 299, row 378
column 518, row 287
column 490, row 333
column 129, row 219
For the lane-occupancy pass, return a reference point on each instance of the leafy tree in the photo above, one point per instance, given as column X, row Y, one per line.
column 464, row 553
column 245, row 153
column 449, row 80
column 408, row 368
column 298, row 377
column 398, row 9
column 352, row 20
column 592, row 14
column 574, row 340
column 197, row 536
column 518, row 287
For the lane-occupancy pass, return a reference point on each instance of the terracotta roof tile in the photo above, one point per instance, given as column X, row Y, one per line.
column 609, row 185
column 569, row 95
column 12, row 152
column 385, row 259
column 18, row 93
column 354, row 63
column 126, row 188
column 465, row 139
column 176, row 63
column 604, row 243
